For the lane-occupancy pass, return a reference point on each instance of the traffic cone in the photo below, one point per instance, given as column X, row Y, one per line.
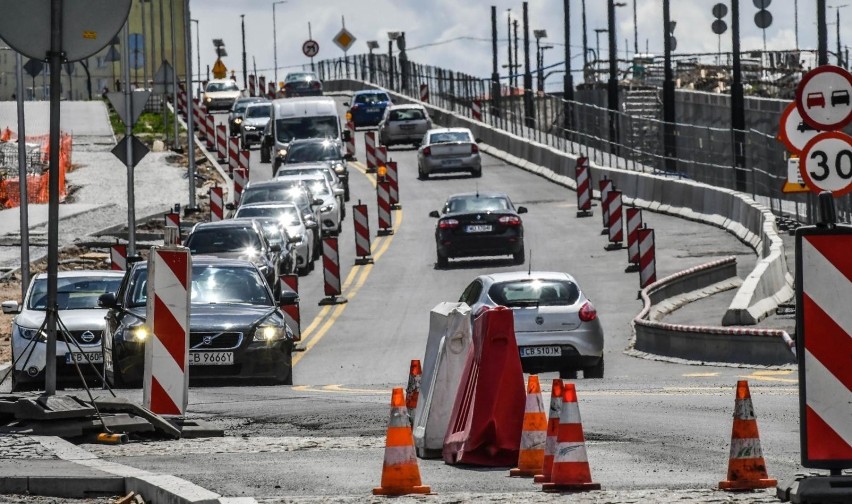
column 412, row 392
column 534, row 433
column 400, row 472
column 6, row 136
column 746, row 468
column 570, row 465
column 552, row 431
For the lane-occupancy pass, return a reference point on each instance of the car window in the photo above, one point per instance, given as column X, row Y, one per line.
column 279, row 193
column 534, row 292
column 369, row 98
column 449, row 136
column 287, row 216
column 319, row 187
column 471, row 293
column 78, row 293
column 211, row 284
column 294, row 128
column 312, row 152
column 406, row 115
column 476, row 204
column 300, row 77
column 258, row 111
column 222, row 86
column 212, row 240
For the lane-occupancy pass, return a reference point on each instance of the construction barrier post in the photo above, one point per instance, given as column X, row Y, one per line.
column 634, row 222
column 118, row 257
column 412, row 391
column 261, row 85
column 534, row 433
column 476, row 109
column 615, row 227
column 361, row 222
column 370, row 150
column 331, row 273
column 217, row 204
column 210, row 128
column 385, row 217
column 222, row 144
column 252, row 85
column 381, row 156
column 746, row 467
column 584, row 187
column 400, row 471
column 172, row 220
column 424, row 93
column 241, row 178
column 243, row 162
column 233, row 153
column 350, row 144
column 571, row 470
column 288, row 300
column 393, row 178
column 647, row 260
column 604, row 186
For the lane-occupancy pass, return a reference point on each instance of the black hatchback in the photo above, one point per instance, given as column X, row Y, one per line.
column 479, row 224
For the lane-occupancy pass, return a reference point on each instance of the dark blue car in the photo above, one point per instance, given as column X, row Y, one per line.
column 368, row 107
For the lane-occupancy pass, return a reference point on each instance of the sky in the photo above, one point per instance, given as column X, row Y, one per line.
column 457, row 34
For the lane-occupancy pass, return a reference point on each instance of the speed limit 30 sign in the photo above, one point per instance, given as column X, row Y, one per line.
column 826, row 163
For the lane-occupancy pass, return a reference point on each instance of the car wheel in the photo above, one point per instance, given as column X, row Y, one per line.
column 596, row 371
column 421, row 174
column 519, row 257
column 346, row 192
column 285, row 376
column 443, row 261
column 476, row 173
column 568, row 374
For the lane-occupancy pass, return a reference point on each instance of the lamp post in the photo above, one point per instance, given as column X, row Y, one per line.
column 669, row 144
column 197, row 53
column 612, row 84
column 539, row 34
column 391, row 37
column 509, row 39
column 275, row 41
column 568, row 82
column 839, row 49
column 598, row 32
column 585, row 39
column 372, row 44
column 245, row 64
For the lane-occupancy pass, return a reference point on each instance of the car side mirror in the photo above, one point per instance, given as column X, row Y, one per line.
column 348, row 157
column 434, row 213
column 11, row 307
column 347, row 135
column 288, row 297
column 346, row 104
column 339, row 192
column 296, row 238
column 107, row 300
column 229, row 206
column 275, row 247
column 522, row 209
column 477, row 140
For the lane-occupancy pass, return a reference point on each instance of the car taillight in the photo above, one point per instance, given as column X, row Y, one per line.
column 427, row 151
column 588, row 312
column 315, row 85
column 355, row 106
column 474, row 148
column 448, row 223
column 510, row 220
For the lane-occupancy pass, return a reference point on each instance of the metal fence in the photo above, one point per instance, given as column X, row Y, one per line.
column 630, row 138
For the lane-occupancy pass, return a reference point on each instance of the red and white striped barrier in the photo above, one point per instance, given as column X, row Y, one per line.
column 271, row 92
column 476, row 109
column 383, row 198
column 233, row 153
column 241, row 178
column 615, row 226
column 261, row 85
column 181, row 100
column 252, row 83
column 291, row 282
column 217, row 204
column 370, row 149
column 605, row 186
column 210, row 129
column 424, row 93
column 165, row 386
column 647, row 260
column 200, row 123
column 245, row 157
column 634, row 223
column 823, row 273
column 393, row 178
column 362, row 234
column 222, row 142
column 584, row 187
column 350, row 144
column 172, row 220
column 381, row 156
column 118, row 257
column 331, row 273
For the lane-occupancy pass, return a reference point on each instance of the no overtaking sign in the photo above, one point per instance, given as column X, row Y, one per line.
column 824, row 98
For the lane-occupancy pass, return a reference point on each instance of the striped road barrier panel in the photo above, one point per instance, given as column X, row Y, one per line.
column 241, row 178
column 584, row 187
column 360, row 219
column 393, row 178
column 370, row 149
column 331, row 273
column 647, row 261
column 217, row 204
column 615, row 225
column 290, row 304
column 118, row 257
column 634, row 222
column 605, row 185
column 172, row 220
column 383, row 200
column 424, row 93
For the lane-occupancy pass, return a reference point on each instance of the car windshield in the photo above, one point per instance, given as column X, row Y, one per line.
column 449, row 136
column 279, row 193
column 271, row 231
column 218, row 239
column 258, row 111
column 371, row 98
column 320, row 188
column 308, row 171
column 289, row 215
column 295, row 128
column 534, row 292
column 78, row 293
column 406, row 115
column 293, row 77
column 240, row 106
column 312, row 152
column 476, row 204
column 222, row 86
column 211, row 285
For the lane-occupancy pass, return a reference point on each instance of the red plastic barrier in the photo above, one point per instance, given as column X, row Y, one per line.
column 488, row 414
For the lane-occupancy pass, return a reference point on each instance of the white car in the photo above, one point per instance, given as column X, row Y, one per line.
column 79, row 313
column 291, row 218
column 220, row 94
column 448, row 150
column 331, row 210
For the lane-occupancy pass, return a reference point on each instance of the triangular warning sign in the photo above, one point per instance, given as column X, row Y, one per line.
column 164, row 78
column 139, row 150
column 138, row 99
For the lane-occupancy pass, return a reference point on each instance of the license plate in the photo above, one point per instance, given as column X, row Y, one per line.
column 83, row 357
column 211, row 358
column 450, row 162
column 541, row 351
column 479, row 228
column 406, row 126
column 372, row 110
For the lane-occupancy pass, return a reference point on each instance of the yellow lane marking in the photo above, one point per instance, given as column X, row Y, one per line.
column 700, row 375
column 771, row 375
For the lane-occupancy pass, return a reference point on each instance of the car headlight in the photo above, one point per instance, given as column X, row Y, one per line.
column 249, row 127
column 326, row 208
column 282, row 152
column 271, row 330
column 238, row 121
column 31, row 334
column 138, row 333
column 339, row 168
column 208, row 99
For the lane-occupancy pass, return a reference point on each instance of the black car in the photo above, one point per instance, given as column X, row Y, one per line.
column 237, row 112
column 479, row 224
column 302, row 84
column 321, row 150
column 236, row 329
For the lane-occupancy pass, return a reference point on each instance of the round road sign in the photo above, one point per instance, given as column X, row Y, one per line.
column 310, row 48
column 794, row 132
column 719, row 27
column 826, row 163
column 762, row 4
column 824, row 97
column 763, row 18
column 720, row 10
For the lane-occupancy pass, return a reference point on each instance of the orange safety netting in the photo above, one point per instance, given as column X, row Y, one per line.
column 37, row 184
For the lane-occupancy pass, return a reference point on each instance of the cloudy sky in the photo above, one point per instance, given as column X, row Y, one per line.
column 457, row 35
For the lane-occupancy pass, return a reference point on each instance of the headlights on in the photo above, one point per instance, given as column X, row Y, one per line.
column 138, row 333
column 282, row 153
column 272, row 330
column 327, row 208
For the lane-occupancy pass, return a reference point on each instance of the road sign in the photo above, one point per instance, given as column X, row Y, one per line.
column 164, row 78
column 310, row 48
column 827, row 163
column 344, row 39
column 793, row 131
column 220, row 71
column 139, row 150
column 824, row 97
column 794, row 183
column 138, row 99
column 33, row 67
column 763, row 18
column 720, row 10
column 719, row 27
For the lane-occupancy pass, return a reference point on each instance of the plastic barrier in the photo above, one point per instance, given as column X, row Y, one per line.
column 172, row 220
column 370, row 149
column 424, row 93
column 350, row 144
column 222, row 143
column 647, row 258
column 261, row 85
column 381, row 156
column 241, row 179
column 331, row 273
column 383, row 200
column 746, row 467
column 488, row 413
column 615, row 226
column 476, row 109
column 634, row 222
column 360, row 220
column 447, row 347
column 584, row 187
column 217, row 204
column 604, row 186
column 233, row 153
column 393, row 179
column 210, row 128
column 291, row 283
column 252, row 85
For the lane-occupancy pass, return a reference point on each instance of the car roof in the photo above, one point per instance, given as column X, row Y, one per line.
column 479, row 194
column 268, row 204
column 305, row 106
column 510, row 276
column 83, row 273
column 228, row 223
column 369, row 91
column 449, row 130
column 407, row 106
column 307, row 165
column 207, row 260
column 267, row 184
column 301, row 176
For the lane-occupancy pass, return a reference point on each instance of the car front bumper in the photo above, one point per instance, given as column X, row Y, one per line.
column 31, row 367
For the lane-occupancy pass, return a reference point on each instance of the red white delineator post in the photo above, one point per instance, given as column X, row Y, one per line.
column 350, row 144
column 291, row 282
column 165, row 383
column 172, row 220
column 634, row 223
column 118, row 257
column 200, row 123
column 210, row 129
column 233, row 153
column 604, row 186
column 271, row 93
column 370, row 149
column 222, row 143
column 424, row 93
column 261, row 85
column 363, row 248
column 181, row 100
column 584, row 187
column 252, row 85
column 616, row 223
column 244, row 158
column 383, row 199
column 241, row 178
column 331, row 273
column 393, row 178
column 476, row 109
column 647, row 260
column 381, row 156
column 217, row 204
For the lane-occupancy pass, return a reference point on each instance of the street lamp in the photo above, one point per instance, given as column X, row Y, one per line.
column 539, row 34
column 837, row 11
column 197, row 54
column 372, row 44
column 275, row 41
column 598, row 32
column 393, row 35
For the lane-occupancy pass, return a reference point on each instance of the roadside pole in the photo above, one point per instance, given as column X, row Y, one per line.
column 128, row 132
column 190, row 134
column 22, row 179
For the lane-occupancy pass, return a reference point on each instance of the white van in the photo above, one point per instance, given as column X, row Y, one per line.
column 297, row 118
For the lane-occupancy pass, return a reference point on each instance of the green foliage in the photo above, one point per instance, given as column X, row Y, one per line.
column 149, row 124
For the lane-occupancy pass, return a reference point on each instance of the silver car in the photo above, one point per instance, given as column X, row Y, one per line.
column 291, row 218
column 77, row 299
column 448, row 150
column 556, row 326
column 331, row 209
column 404, row 124
column 254, row 121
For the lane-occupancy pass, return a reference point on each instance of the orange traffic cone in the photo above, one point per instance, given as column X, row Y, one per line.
column 6, row 135
column 746, row 468
column 552, row 431
column 412, row 392
column 534, row 433
column 400, row 472
column 570, row 465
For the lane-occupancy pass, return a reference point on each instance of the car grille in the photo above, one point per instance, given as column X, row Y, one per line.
column 215, row 340
column 92, row 337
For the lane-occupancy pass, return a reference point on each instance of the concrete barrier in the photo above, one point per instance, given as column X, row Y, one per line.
column 769, row 284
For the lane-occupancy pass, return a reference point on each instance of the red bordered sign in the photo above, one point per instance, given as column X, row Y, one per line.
column 824, row 98
column 793, row 131
column 826, row 163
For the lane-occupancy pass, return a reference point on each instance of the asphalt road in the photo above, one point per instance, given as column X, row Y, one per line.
column 649, row 425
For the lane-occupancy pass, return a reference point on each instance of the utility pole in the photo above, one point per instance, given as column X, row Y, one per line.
column 585, row 40
column 190, row 150
column 822, row 34
column 568, row 80
column 495, row 75
column 635, row 30
column 162, row 63
column 669, row 140
column 509, row 38
column 529, row 110
column 144, row 46
column 517, row 65
column 796, row 21
column 738, row 101
column 245, row 63
column 612, row 84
